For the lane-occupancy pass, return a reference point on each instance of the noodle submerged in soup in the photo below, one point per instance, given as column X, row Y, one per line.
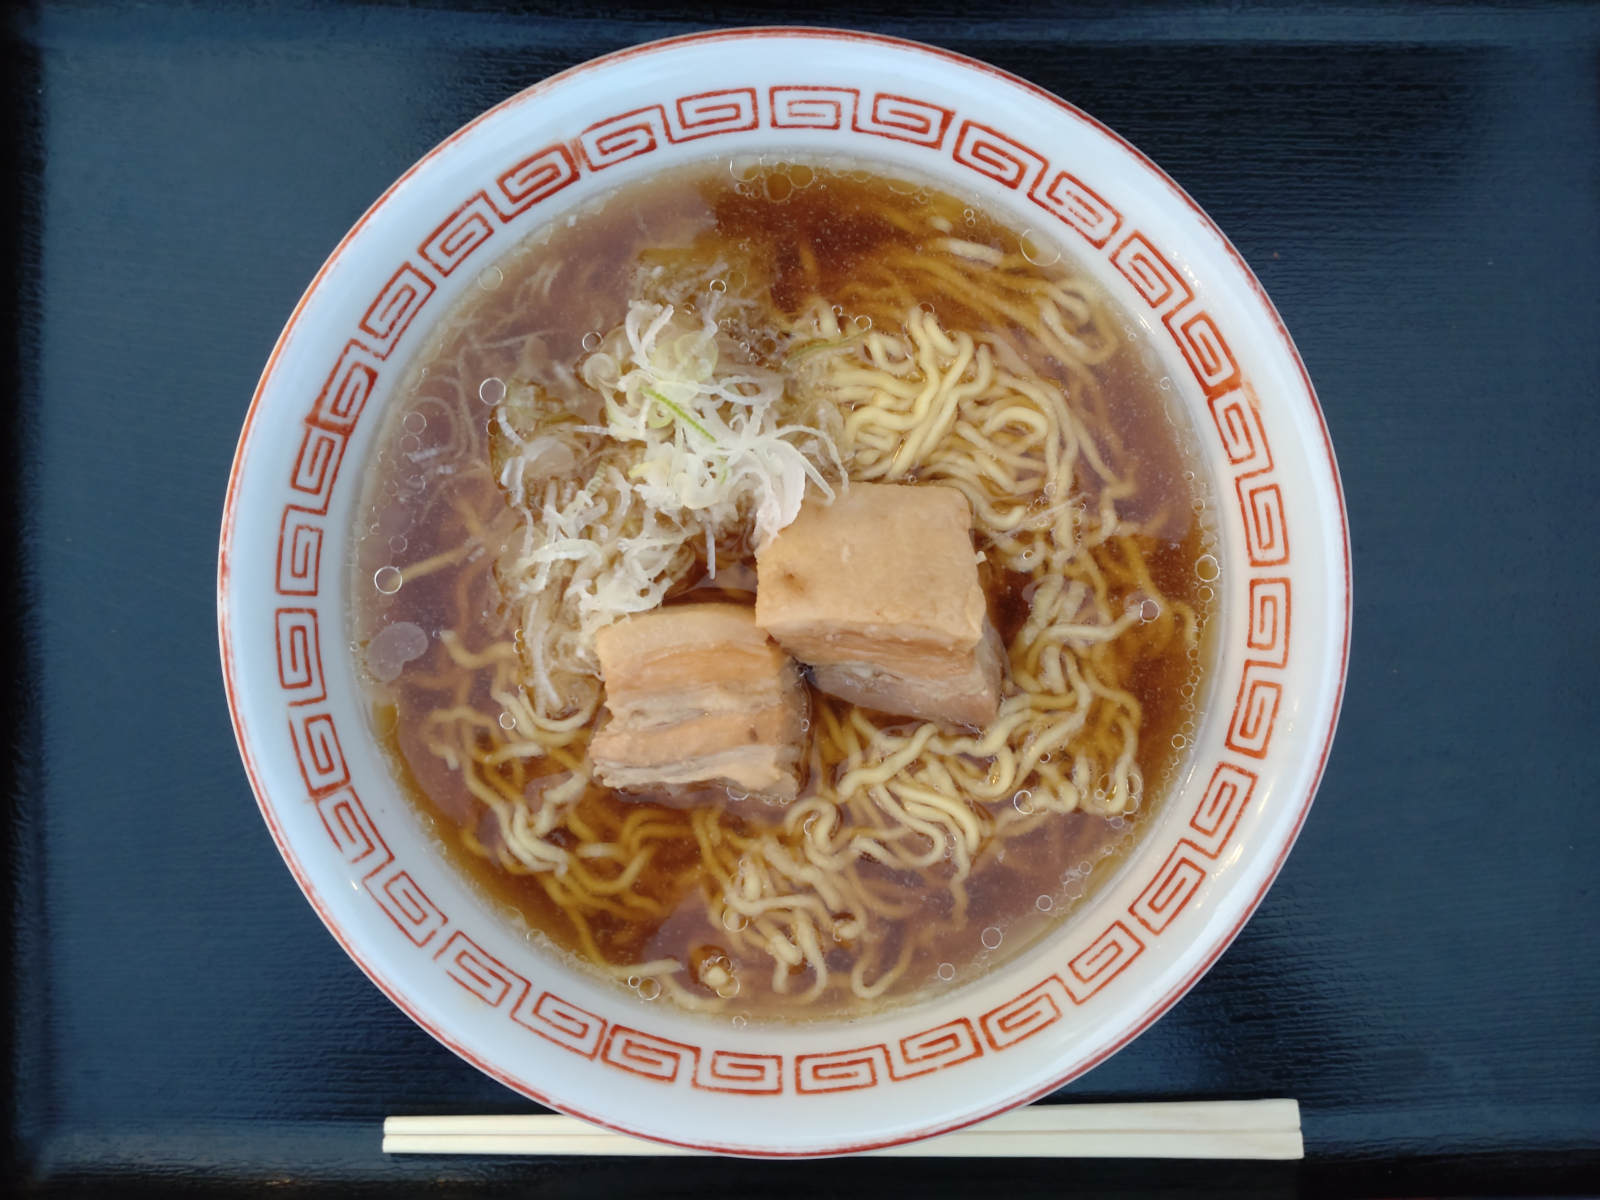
column 641, row 408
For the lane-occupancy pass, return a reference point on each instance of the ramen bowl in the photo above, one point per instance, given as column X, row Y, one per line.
column 373, row 870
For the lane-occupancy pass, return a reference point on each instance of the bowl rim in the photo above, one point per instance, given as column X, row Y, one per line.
column 1300, row 804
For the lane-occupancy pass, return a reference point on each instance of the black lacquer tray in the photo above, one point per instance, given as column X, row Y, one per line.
column 1418, row 189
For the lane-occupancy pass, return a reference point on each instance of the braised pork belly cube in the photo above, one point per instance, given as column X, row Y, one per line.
column 699, row 694
column 878, row 592
column 970, row 699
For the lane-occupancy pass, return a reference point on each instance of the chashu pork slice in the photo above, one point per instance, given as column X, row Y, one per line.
column 878, row 592
column 698, row 693
column 970, row 699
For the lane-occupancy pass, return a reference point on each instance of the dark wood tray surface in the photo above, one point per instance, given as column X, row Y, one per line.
column 1419, row 190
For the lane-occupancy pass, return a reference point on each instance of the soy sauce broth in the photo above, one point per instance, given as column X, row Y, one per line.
column 538, row 311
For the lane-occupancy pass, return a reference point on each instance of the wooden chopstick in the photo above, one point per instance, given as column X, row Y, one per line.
column 1259, row 1129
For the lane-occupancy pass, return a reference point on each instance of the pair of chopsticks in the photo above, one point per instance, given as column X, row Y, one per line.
column 1259, row 1129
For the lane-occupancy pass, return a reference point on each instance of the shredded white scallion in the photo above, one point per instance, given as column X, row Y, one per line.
column 690, row 451
column 711, row 442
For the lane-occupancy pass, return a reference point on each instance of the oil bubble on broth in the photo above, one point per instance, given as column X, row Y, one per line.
column 785, row 588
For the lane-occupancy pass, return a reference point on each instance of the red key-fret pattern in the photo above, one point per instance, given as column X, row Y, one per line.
column 1167, row 292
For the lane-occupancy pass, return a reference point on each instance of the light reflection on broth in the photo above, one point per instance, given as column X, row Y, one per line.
column 889, row 329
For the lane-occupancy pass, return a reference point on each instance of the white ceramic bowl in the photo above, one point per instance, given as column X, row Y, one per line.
column 589, row 1048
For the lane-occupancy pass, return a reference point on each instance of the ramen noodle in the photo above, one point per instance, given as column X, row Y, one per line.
column 783, row 588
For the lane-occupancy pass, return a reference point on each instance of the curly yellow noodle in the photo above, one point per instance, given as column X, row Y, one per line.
column 993, row 391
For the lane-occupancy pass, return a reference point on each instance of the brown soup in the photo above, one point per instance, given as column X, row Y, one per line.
column 837, row 284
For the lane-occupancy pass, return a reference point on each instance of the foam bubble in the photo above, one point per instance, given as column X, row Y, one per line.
column 1039, row 250
column 394, row 520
